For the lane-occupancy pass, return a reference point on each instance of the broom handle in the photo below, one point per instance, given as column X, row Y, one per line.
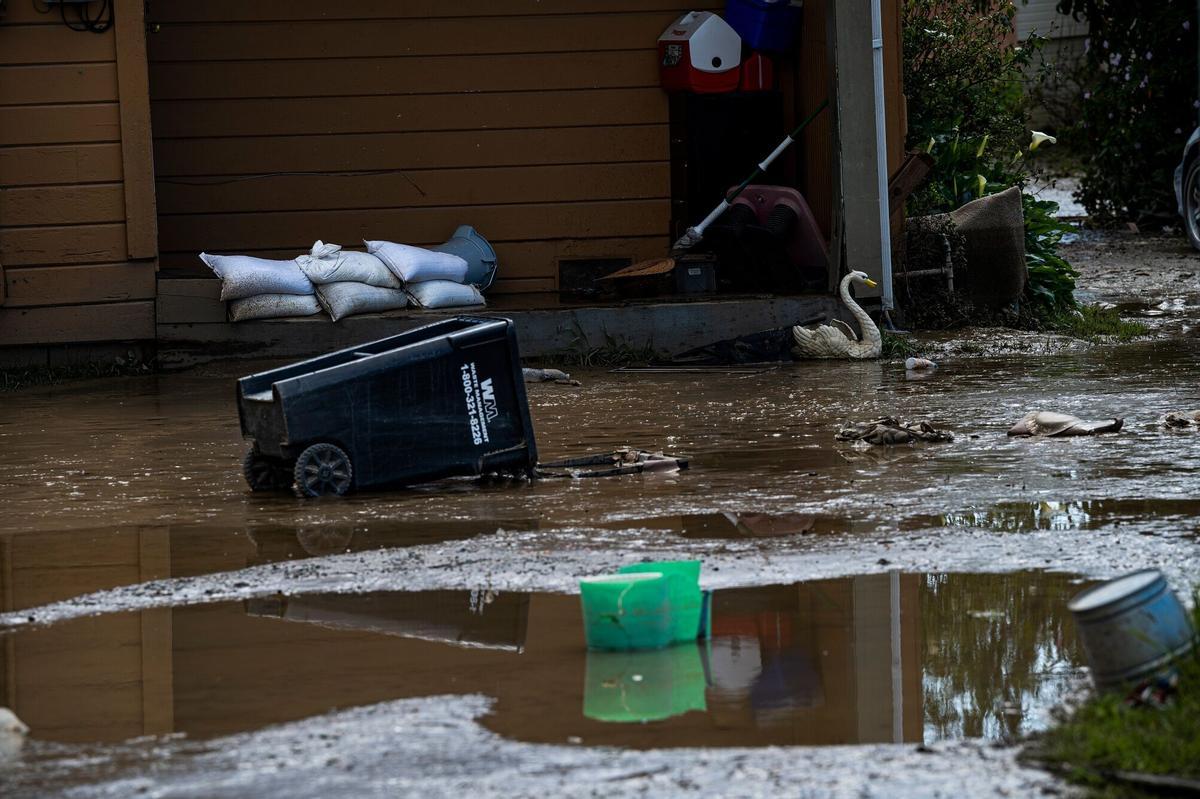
column 696, row 233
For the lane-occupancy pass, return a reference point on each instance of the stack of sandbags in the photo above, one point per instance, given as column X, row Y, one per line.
column 259, row 288
column 351, row 282
column 432, row 279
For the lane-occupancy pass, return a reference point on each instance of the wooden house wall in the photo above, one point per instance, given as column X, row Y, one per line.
column 540, row 122
column 77, row 240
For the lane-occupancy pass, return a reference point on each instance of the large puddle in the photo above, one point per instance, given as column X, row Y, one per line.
column 113, row 483
column 891, row 657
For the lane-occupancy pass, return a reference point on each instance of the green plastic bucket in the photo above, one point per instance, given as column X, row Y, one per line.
column 627, row 687
column 687, row 601
column 627, row 611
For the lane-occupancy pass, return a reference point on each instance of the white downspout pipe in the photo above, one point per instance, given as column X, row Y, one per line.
column 885, row 222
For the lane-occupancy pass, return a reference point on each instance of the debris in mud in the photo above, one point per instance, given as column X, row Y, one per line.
column 12, row 735
column 913, row 364
column 888, row 431
column 626, row 460
column 556, row 376
column 1048, row 424
column 1178, row 419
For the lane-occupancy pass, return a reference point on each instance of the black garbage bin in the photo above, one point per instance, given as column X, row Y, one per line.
column 445, row 399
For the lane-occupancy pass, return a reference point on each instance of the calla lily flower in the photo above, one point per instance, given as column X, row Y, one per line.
column 980, row 185
column 1038, row 138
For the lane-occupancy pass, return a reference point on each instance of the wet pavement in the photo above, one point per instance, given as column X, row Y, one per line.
column 162, row 617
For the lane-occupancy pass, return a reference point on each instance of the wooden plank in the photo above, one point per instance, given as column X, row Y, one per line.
column 175, row 11
column 52, row 44
column 77, row 285
column 893, row 82
column 58, row 83
column 137, row 151
column 78, row 244
column 82, row 163
column 60, row 124
column 3, row 287
column 527, row 285
column 62, row 205
column 271, row 117
column 817, row 142
column 458, row 187
column 392, row 76
column 121, row 321
column 417, row 150
column 184, row 301
column 422, row 36
column 518, row 222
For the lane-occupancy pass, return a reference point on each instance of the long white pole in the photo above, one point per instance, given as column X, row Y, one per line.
column 885, row 223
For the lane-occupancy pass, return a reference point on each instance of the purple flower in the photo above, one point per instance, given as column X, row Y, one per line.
column 1187, row 25
column 1149, row 55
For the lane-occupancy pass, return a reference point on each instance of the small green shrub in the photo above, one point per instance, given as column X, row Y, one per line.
column 1138, row 106
column 1104, row 735
column 1051, row 284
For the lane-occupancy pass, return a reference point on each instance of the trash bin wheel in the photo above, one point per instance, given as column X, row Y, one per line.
column 263, row 473
column 322, row 469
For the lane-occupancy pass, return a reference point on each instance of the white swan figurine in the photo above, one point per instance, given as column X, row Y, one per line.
column 827, row 341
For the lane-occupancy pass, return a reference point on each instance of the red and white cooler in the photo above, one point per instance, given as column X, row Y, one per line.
column 699, row 53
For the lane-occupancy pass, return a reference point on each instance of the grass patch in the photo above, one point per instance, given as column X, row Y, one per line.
column 1093, row 322
column 610, row 354
column 1104, row 736
column 895, row 346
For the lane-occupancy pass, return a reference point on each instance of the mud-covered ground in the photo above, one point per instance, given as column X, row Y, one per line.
column 171, row 634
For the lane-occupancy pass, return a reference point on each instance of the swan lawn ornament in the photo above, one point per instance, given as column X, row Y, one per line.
column 827, row 341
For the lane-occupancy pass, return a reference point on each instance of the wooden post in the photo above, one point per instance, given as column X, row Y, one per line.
column 137, row 144
column 857, row 205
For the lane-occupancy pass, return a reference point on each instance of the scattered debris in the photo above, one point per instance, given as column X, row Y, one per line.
column 1181, row 419
column 888, row 431
column 1049, row 424
column 12, row 735
column 919, row 363
column 626, row 460
column 556, row 376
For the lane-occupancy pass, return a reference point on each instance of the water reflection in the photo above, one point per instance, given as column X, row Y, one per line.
column 1087, row 514
column 878, row 658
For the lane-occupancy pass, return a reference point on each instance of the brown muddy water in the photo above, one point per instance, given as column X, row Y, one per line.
column 225, row 611
column 897, row 658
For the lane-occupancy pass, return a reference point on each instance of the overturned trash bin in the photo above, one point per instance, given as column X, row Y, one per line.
column 444, row 400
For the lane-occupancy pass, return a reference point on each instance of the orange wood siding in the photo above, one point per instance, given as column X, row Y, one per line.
column 70, row 193
column 540, row 122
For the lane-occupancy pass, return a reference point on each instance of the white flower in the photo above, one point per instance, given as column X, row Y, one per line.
column 1038, row 138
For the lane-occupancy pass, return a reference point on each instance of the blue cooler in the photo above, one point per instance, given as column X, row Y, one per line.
column 764, row 24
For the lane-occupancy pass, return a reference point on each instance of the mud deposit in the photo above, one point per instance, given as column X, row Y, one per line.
column 171, row 634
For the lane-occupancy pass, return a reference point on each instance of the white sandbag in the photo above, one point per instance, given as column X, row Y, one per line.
column 347, row 299
column 329, row 263
column 273, row 306
column 416, row 264
column 444, row 294
column 246, row 276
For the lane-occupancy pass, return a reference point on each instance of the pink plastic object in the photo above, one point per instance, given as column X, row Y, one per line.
column 806, row 249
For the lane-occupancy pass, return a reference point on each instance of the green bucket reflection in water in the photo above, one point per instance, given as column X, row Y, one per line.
column 644, row 686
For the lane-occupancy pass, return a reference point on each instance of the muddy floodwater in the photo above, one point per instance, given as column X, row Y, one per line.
column 157, row 611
